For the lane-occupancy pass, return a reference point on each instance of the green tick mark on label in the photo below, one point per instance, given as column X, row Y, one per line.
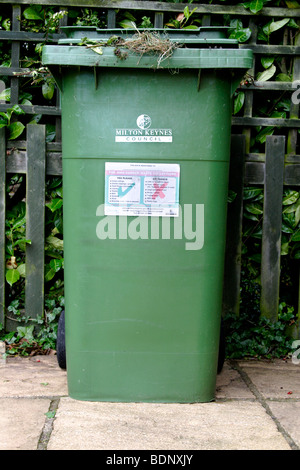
column 122, row 193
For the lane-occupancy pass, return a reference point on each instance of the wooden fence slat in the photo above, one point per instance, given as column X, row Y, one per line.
column 2, row 225
column 249, row 96
column 35, row 220
column 159, row 20
column 232, row 269
column 259, row 121
column 15, row 55
column 164, row 6
column 47, row 110
column 272, row 49
column 272, row 222
column 111, row 18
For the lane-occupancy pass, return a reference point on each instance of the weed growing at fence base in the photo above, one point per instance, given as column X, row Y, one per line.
column 33, row 337
column 248, row 335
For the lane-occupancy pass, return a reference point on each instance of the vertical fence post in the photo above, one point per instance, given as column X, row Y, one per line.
column 272, row 222
column 2, row 225
column 15, row 54
column 111, row 18
column 249, row 94
column 35, row 220
column 232, row 270
column 159, row 20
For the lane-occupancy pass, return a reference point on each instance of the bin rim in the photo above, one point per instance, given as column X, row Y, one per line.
column 204, row 47
column 181, row 58
column 203, row 33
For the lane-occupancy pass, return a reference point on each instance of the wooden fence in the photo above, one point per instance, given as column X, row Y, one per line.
column 278, row 166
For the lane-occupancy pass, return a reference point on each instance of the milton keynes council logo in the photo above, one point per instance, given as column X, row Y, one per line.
column 144, row 121
column 143, row 133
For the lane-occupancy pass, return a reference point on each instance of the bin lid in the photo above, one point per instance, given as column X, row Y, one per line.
column 205, row 47
column 202, row 35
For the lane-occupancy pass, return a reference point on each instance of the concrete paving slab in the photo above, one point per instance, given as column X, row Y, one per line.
column 141, row 426
column 274, row 379
column 230, row 384
column 253, row 410
column 29, row 377
column 288, row 414
column 21, row 422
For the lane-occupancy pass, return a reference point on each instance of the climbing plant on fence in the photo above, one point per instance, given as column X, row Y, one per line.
column 263, row 246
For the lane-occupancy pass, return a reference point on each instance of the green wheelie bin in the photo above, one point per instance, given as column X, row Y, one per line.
column 146, row 147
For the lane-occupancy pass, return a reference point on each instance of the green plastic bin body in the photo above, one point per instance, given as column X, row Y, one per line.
column 143, row 293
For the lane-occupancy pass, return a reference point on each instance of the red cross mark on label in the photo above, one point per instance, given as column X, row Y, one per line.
column 159, row 190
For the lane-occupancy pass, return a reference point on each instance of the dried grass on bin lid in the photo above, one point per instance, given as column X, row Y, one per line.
column 148, row 42
column 143, row 42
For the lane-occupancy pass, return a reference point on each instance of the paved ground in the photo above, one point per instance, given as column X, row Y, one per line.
column 257, row 407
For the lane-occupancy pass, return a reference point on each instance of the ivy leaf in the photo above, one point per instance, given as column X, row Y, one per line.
column 15, row 130
column 12, row 276
column 17, row 110
column 262, row 135
column 19, row 221
column 33, row 13
column 290, row 198
column 56, row 264
column 296, row 236
column 5, row 95
column 288, row 223
column 292, row 23
column 22, row 269
column 242, row 35
column 50, row 132
column 48, row 90
column 55, row 204
column 239, row 102
column 186, row 12
column 284, row 249
column 21, row 241
column 3, row 120
column 250, row 193
column 26, row 332
column 254, row 208
column 266, row 62
column 283, row 77
column 256, row 6
column 52, row 268
column 274, row 26
column 49, row 274
column 6, row 24
column 127, row 24
column 266, row 74
column 55, row 242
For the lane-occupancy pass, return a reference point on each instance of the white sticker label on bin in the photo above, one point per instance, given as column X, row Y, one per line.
column 143, row 133
column 149, row 189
